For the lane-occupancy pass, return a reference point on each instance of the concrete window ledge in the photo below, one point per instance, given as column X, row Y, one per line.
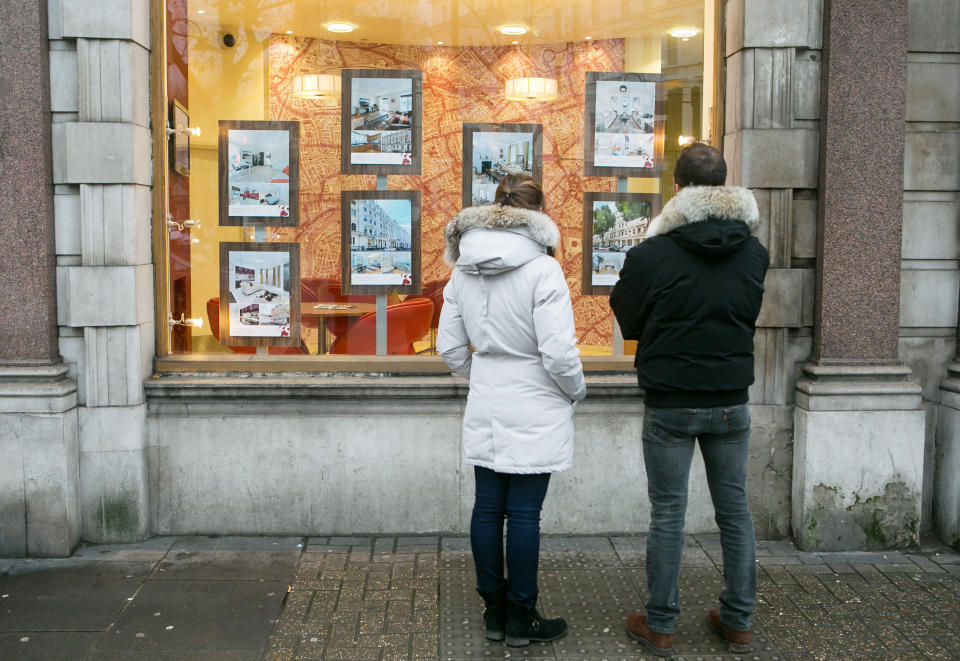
column 178, row 394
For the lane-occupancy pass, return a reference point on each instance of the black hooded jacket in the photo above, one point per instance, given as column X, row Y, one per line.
column 690, row 295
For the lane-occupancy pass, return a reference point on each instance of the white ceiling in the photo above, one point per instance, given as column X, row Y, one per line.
column 455, row 22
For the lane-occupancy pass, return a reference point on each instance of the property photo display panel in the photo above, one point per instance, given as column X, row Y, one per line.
column 492, row 151
column 260, row 294
column 624, row 131
column 180, row 140
column 381, row 121
column 612, row 224
column 259, row 172
column 380, row 241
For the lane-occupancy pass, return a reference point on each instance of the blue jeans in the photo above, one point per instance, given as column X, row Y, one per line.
column 668, row 440
column 519, row 498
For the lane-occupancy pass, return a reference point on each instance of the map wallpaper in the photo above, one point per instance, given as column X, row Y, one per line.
column 460, row 84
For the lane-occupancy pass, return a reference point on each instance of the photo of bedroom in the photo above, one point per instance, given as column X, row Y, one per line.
column 380, row 242
column 494, row 155
column 259, row 290
column 258, row 173
column 381, row 120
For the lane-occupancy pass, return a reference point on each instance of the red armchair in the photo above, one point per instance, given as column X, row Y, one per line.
column 407, row 322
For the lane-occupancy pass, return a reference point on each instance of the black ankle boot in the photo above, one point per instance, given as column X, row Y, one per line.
column 525, row 625
column 494, row 613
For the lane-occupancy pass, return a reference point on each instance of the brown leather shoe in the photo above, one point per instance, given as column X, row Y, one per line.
column 739, row 640
column 660, row 644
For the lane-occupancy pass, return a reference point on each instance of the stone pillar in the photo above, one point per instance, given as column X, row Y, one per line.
column 772, row 51
column 858, row 421
column 103, row 171
column 39, row 512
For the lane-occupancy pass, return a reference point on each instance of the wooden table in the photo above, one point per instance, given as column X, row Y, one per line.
column 320, row 311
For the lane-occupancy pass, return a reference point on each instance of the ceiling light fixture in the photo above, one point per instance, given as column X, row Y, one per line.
column 531, row 89
column 340, row 27
column 289, row 31
column 513, row 29
column 201, row 11
column 315, row 86
column 439, row 43
column 683, row 33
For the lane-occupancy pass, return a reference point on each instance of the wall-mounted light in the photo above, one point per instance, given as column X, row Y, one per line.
column 180, row 130
column 315, row 86
column 685, row 140
column 337, row 26
column 181, row 226
column 683, row 33
column 513, row 29
column 531, row 89
column 196, row 323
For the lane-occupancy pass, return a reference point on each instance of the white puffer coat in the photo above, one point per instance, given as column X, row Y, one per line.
column 509, row 300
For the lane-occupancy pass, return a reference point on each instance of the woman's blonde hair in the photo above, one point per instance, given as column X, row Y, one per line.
column 521, row 191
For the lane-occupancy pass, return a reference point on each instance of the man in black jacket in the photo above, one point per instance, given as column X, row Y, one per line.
column 690, row 295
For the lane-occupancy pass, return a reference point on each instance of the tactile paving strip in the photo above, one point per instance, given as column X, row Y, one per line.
column 461, row 623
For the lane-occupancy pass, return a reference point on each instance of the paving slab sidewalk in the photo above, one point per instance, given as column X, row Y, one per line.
column 412, row 597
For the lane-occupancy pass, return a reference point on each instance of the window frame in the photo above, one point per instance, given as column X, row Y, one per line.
column 167, row 362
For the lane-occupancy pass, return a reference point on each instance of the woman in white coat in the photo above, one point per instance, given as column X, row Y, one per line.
column 508, row 299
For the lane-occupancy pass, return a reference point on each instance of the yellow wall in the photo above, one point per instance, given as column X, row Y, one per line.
column 224, row 83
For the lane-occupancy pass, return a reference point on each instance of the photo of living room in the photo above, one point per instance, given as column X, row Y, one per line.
column 258, row 173
column 381, row 118
column 494, row 155
column 259, row 289
column 380, row 242
column 624, row 123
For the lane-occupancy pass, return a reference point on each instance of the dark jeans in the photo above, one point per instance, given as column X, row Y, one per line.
column 668, row 439
column 519, row 498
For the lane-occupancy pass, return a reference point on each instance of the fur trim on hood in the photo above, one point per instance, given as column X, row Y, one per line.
column 695, row 204
column 541, row 227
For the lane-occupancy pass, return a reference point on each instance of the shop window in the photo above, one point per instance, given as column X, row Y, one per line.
column 335, row 141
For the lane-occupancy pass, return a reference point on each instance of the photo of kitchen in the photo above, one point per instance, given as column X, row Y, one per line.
column 380, row 242
column 494, row 155
column 259, row 288
column 258, row 173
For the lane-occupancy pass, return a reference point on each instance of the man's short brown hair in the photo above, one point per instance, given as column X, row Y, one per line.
column 700, row 164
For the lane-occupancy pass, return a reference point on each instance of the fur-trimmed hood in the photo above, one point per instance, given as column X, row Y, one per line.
column 695, row 204
column 537, row 226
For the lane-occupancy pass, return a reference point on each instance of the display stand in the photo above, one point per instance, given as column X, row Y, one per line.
column 617, row 348
column 381, row 298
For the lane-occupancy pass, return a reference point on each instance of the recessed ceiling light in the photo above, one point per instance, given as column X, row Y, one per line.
column 340, row 27
column 439, row 43
column 201, row 11
column 683, row 33
column 289, row 31
column 514, row 29
column 514, row 42
column 588, row 38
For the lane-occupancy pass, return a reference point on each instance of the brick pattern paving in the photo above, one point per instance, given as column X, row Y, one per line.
column 413, row 598
column 361, row 599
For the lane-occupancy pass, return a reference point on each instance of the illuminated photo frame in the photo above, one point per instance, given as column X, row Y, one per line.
column 491, row 151
column 624, row 125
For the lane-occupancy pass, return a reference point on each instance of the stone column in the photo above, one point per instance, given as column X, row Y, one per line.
column 103, row 171
column 39, row 512
column 947, row 470
column 858, row 421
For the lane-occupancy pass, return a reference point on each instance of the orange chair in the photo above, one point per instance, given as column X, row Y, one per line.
column 433, row 291
column 407, row 322
column 213, row 317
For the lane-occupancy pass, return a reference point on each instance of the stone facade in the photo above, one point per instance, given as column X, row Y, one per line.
column 863, row 440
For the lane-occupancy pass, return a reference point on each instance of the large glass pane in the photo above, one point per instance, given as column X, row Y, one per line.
column 631, row 79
